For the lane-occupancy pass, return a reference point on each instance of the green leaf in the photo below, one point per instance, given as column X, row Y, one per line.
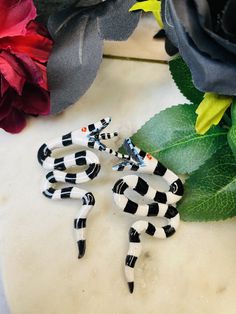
column 232, row 132
column 210, row 192
column 211, row 110
column 153, row 6
column 232, row 139
column 170, row 137
column 183, row 79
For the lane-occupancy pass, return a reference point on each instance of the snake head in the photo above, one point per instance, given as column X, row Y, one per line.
column 91, row 135
column 133, row 152
column 138, row 160
column 135, row 157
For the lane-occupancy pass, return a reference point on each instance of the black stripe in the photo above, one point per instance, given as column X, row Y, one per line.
column 80, row 223
column 134, row 167
column 59, row 164
column 141, row 186
column 97, row 169
column 131, row 207
column 153, row 209
column 133, row 236
column 91, row 144
column 81, row 247
column 91, row 127
column 93, row 170
column 160, row 169
column 120, row 187
column 142, row 154
column 171, row 212
column 131, row 286
column 121, row 168
column 67, row 139
column 79, row 160
column 177, row 187
column 43, row 153
column 49, row 192
column 71, row 178
column 169, row 231
column 130, row 260
column 103, row 136
column 65, row 192
column 50, row 177
column 103, row 122
column 88, row 199
column 150, row 229
column 160, row 197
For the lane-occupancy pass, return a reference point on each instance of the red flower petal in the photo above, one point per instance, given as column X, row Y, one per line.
column 35, row 43
column 43, row 69
column 5, row 105
column 34, row 100
column 12, row 71
column 4, row 85
column 14, row 122
column 37, row 28
column 14, row 16
column 35, row 46
column 33, row 73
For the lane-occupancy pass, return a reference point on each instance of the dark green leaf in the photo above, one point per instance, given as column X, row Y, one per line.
column 183, row 79
column 232, row 131
column 170, row 136
column 210, row 192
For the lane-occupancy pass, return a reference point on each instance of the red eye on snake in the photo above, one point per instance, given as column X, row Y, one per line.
column 149, row 156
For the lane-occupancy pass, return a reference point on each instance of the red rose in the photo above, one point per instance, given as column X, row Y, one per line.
column 24, row 50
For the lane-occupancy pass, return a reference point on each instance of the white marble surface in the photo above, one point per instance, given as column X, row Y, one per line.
column 192, row 272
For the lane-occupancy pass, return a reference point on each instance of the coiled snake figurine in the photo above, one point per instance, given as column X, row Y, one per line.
column 88, row 136
column 162, row 205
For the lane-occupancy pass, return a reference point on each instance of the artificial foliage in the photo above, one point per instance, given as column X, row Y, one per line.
column 232, row 130
column 183, row 79
column 210, row 192
column 208, row 159
column 170, row 136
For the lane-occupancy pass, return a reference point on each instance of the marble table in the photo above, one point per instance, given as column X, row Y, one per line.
column 192, row 272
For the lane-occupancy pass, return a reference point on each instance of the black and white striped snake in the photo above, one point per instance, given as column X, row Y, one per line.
column 88, row 136
column 162, row 203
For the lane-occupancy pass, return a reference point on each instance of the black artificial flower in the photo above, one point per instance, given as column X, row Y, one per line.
column 78, row 29
column 204, row 31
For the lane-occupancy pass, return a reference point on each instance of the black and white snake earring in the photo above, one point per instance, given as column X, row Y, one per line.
column 162, row 203
column 88, row 136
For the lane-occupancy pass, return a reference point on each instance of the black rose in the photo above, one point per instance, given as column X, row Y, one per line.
column 204, row 31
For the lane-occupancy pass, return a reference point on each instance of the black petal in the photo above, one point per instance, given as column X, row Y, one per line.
column 116, row 22
column 208, row 75
column 75, row 60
